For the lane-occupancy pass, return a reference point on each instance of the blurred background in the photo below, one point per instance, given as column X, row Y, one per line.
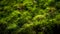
column 29, row 16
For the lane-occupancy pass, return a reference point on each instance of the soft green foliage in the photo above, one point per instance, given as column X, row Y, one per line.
column 29, row 16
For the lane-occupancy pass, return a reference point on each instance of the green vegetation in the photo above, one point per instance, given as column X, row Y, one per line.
column 29, row 16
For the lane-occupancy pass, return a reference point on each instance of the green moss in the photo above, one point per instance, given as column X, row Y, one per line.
column 30, row 16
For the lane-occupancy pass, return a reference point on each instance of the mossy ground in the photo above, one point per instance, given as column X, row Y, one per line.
column 29, row 16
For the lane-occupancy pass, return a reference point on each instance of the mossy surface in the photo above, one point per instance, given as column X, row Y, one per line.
column 29, row 16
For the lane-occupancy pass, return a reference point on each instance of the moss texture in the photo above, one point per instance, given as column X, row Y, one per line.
column 29, row 16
